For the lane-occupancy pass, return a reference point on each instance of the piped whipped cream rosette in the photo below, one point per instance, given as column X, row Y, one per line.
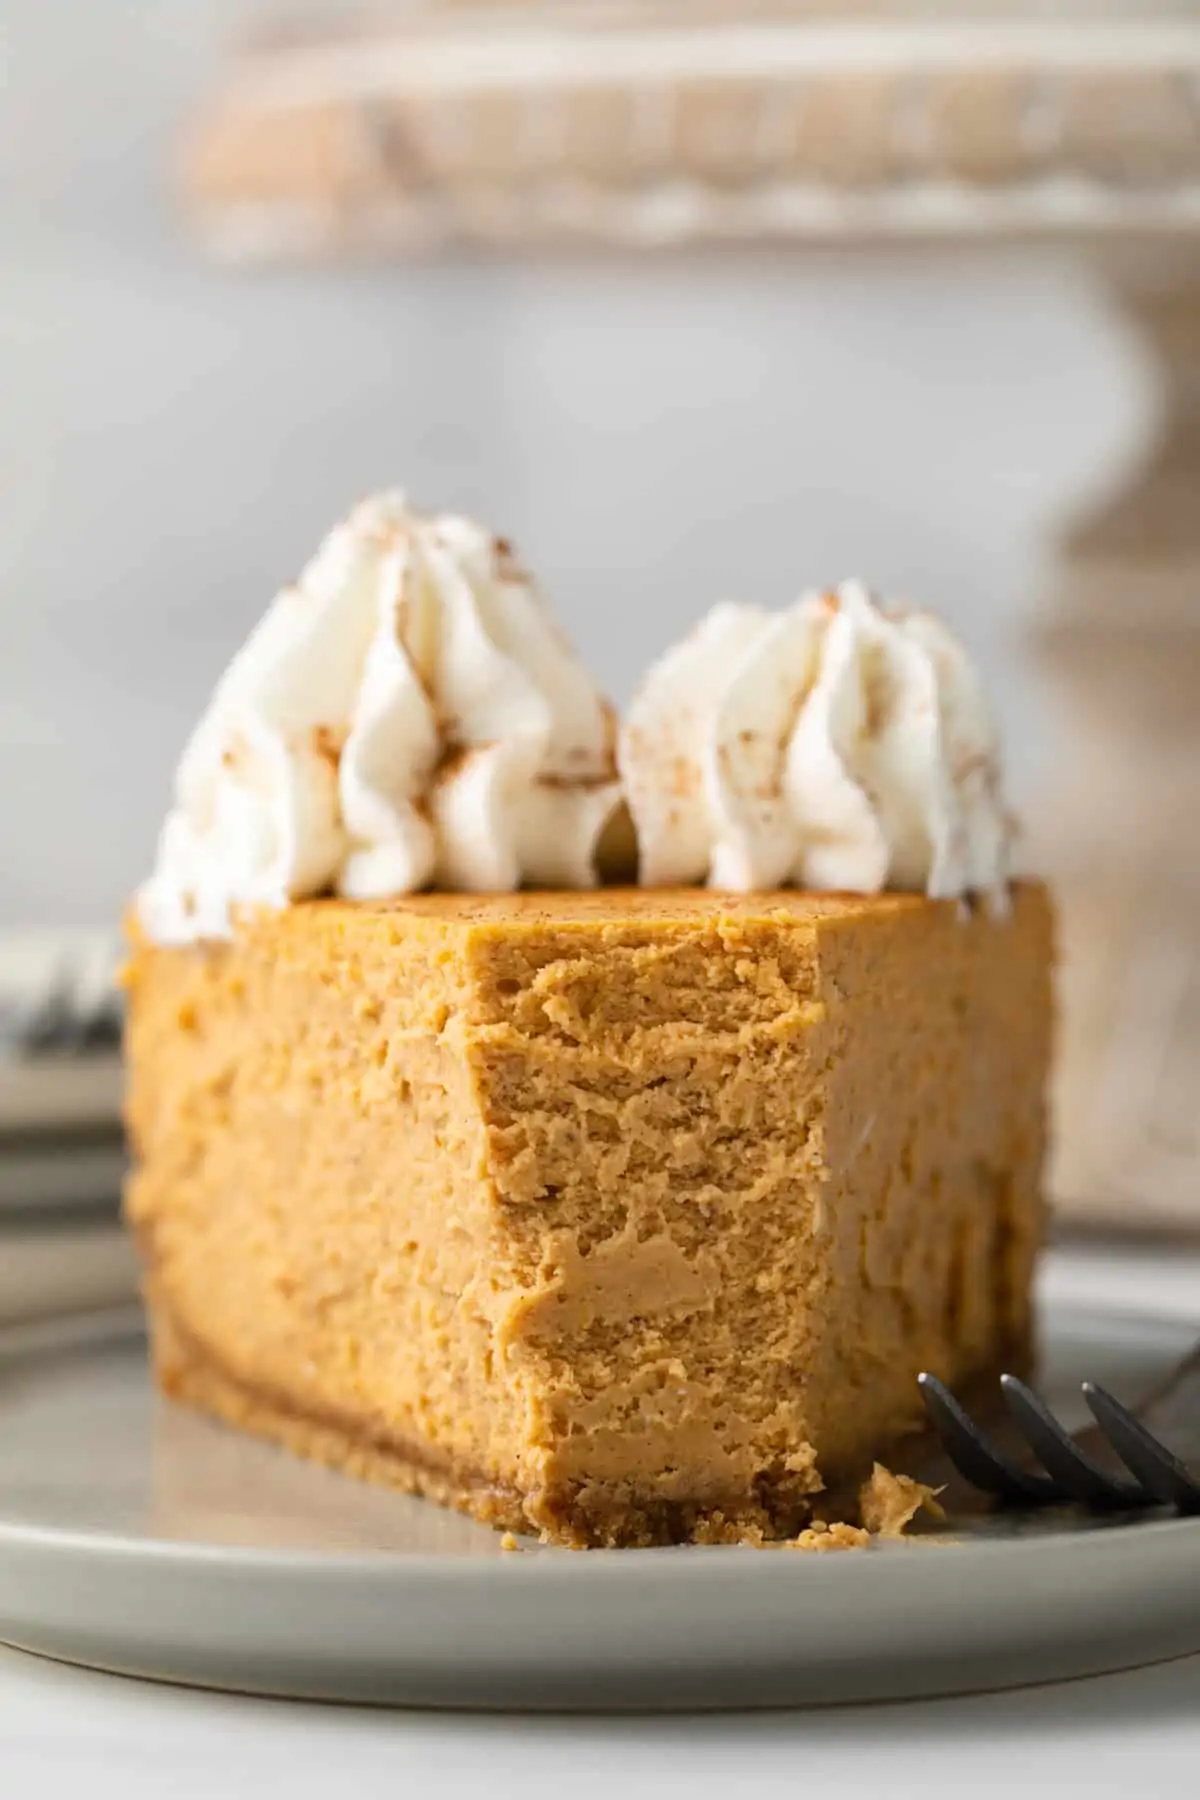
column 837, row 745
column 407, row 715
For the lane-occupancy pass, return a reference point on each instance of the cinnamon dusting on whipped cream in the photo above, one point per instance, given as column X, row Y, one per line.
column 837, row 745
column 407, row 715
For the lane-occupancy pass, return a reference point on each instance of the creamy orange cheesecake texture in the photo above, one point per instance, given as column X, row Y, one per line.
column 614, row 1215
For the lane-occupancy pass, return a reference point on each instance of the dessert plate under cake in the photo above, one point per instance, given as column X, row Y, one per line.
column 140, row 1537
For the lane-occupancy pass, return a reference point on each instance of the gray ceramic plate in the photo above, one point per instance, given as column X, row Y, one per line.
column 135, row 1537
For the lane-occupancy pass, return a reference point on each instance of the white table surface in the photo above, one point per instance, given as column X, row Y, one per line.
column 67, row 1731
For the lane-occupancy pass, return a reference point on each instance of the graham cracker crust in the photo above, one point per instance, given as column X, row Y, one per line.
column 189, row 1373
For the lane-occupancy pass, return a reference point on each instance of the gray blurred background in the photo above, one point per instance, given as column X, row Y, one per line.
column 174, row 437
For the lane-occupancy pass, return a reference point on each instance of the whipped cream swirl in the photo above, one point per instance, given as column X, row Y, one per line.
column 407, row 715
column 836, row 745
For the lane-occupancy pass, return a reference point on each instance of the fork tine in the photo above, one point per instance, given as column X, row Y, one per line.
column 975, row 1456
column 1161, row 1473
column 1062, row 1458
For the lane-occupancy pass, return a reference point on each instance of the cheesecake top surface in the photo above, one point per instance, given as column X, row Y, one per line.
column 614, row 905
column 598, row 915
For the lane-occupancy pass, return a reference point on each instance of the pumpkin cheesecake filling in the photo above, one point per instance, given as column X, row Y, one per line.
column 597, row 1214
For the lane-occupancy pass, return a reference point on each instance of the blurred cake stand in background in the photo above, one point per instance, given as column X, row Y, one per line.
column 62, row 1247
column 658, row 126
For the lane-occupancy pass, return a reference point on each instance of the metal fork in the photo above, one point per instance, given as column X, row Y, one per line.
column 1064, row 1469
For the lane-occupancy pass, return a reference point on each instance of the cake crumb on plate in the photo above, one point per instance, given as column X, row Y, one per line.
column 888, row 1503
column 821, row 1537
